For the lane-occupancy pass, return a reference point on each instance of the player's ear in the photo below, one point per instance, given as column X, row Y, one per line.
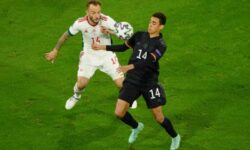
column 161, row 27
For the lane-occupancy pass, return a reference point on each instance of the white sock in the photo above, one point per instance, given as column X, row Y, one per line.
column 77, row 92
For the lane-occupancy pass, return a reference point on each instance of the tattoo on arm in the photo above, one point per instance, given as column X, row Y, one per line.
column 62, row 40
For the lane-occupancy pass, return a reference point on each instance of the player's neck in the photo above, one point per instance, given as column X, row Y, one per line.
column 91, row 22
column 156, row 34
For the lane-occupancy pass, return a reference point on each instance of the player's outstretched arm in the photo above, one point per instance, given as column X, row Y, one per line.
column 51, row 56
column 96, row 46
column 113, row 48
column 126, row 68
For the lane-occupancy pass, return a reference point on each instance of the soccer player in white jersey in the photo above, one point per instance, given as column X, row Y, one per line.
column 95, row 27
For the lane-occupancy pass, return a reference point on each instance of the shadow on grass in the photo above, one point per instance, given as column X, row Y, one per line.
column 77, row 139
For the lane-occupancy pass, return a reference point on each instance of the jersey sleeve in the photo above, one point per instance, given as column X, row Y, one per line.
column 108, row 22
column 111, row 23
column 74, row 28
column 117, row 48
column 131, row 42
column 160, row 50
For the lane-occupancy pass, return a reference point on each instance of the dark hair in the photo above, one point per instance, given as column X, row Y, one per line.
column 161, row 17
column 93, row 2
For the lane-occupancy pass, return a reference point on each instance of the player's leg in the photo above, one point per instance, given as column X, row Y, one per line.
column 110, row 67
column 164, row 121
column 85, row 72
column 155, row 99
column 121, row 109
column 127, row 95
column 167, row 125
column 78, row 89
column 119, row 83
column 80, row 85
column 122, row 113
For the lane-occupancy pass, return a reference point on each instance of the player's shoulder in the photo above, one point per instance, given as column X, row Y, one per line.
column 161, row 40
column 140, row 34
column 105, row 17
column 82, row 19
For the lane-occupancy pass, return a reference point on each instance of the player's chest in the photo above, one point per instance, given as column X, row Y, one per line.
column 143, row 49
column 145, row 46
column 91, row 31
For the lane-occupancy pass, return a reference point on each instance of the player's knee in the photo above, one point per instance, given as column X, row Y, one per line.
column 119, row 114
column 82, row 83
column 119, row 85
column 159, row 118
column 119, row 82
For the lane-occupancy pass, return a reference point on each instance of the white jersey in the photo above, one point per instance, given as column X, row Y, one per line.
column 92, row 33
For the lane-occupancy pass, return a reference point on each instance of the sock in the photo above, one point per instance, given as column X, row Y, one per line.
column 167, row 125
column 77, row 92
column 129, row 120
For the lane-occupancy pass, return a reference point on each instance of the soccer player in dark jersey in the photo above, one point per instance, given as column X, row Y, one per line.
column 142, row 77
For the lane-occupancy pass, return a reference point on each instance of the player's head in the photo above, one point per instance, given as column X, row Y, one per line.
column 157, row 23
column 94, row 10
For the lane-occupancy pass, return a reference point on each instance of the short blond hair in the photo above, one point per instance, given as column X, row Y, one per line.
column 93, row 2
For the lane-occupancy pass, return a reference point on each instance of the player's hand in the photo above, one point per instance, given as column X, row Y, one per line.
column 125, row 69
column 96, row 46
column 51, row 56
column 105, row 30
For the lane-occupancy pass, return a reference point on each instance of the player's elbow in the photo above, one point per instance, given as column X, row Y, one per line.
column 66, row 35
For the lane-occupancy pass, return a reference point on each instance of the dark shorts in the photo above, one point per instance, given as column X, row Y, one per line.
column 154, row 95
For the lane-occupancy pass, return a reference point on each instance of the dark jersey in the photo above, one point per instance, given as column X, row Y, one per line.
column 145, row 57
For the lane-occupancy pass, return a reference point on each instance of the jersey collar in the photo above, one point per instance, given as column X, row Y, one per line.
column 156, row 37
column 93, row 25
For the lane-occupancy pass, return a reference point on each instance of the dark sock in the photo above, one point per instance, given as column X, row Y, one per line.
column 129, row 120
column 167, row 125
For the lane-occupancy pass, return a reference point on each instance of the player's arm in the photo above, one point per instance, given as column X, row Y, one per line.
column 66, row 35
column 126, row 68
column 116, row 48
column 145, row 63
column 113, row 48
column 73, row 30
column 106, row 30
column 109, row 27
column 139, row 65
column 51, row 56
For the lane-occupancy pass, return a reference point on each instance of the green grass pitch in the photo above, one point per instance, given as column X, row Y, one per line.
column 206, row 74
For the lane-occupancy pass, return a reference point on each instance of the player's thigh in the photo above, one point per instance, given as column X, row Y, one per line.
column 129, row 92
column 86, row 69
column 110, row 66
column 154, row 96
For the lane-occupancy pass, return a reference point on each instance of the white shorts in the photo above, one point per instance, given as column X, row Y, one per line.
column 107, row 63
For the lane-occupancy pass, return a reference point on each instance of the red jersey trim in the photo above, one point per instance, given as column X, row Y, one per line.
column 82, row 19
column 105, row 18
column 91, row 23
